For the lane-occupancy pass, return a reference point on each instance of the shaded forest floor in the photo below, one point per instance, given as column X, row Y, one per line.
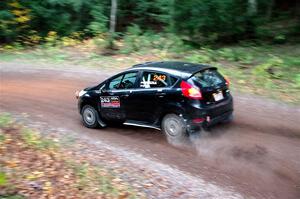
column 33, row 165
column 268, row 70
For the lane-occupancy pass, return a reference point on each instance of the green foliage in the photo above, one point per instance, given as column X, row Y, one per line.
column 269, row 69
column 51, row 38
column 38, row 18
column 280, row 39
column 106, row 186
column 228, row 54
column 14, row 20
column 199, row 57
column 34, row 139
column 12, row 197
column 5, row 120
column 297, row 80
column 100, row 43
column 132, row 39
column 207, row 55
column 212, row 20
column 137, row 40
column 149, row 15
column 98, row 24
column 81, row 171
column 86, row 176
column 197, row 21
column 235, row 55
column 3, row 179
column 2, row 138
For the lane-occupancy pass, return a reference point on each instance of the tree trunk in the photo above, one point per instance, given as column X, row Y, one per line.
column 252, row 7
column 172, row 15
column 112, row 24
column 113, row 13
column 297, row 9
column 270, row 10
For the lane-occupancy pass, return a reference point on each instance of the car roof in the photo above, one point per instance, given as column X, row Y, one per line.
column 176, row 68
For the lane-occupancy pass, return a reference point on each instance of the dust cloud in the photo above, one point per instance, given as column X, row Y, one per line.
column 254, row 162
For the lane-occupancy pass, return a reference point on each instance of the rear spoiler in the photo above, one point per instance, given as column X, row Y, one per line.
column 205, row 67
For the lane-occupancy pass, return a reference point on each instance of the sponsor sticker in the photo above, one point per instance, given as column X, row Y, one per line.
column 110, row 102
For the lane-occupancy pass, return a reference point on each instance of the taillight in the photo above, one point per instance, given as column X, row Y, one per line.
column 227, row 81
column 198, row 120
column 189, row 91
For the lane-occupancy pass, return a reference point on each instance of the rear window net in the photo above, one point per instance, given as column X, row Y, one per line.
column 208, row 78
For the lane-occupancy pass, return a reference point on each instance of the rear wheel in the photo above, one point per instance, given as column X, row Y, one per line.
column 174, row 128
column 89, row 116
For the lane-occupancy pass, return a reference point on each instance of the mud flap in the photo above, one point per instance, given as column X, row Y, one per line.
column 101, row 123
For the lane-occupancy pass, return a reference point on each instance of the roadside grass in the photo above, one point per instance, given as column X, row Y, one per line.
column 34, row 165
column 97, row 178
column 12, row 197
column 5, row 120
column 35, row 140
column 268, row 70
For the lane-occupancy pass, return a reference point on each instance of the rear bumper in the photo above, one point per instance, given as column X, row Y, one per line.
column 217, row 119
column 211, row 115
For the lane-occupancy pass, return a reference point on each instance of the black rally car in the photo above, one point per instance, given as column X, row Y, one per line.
column 177, row 97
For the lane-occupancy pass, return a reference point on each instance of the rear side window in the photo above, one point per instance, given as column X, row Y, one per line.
column 154, row 80
column 173, row 80
column 208, row 78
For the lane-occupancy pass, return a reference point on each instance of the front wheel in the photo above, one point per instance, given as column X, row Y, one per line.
column 89, row 116
column 174, row 128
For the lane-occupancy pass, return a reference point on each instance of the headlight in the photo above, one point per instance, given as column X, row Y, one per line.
column 80, row 93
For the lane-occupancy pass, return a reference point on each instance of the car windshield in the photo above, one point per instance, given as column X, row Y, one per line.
column 208, row 78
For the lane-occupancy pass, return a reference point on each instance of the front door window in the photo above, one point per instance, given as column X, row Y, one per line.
column 128, row 81
column 115, row 83
column 125, row 81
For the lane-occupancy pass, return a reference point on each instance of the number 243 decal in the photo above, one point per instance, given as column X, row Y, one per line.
column 110, row 101
column 159, row 77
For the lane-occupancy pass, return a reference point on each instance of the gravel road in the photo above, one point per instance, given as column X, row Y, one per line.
column 256, row 156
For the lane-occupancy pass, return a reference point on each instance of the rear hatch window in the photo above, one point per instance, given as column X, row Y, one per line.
column 209, row 79
column 212, row 85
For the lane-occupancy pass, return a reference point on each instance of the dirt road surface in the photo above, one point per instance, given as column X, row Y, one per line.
column 257, row 156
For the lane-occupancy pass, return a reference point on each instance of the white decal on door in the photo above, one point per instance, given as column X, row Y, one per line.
column 110, row 102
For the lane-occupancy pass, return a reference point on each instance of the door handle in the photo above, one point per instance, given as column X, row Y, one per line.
column 125, row 95
column 160, row 94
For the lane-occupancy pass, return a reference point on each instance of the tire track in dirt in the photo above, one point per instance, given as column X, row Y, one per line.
column 256, row 154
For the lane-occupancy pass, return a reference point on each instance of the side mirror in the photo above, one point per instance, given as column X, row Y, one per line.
column 102, row 89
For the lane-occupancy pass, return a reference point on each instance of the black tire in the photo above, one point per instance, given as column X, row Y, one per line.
column 174, row 128
column 89, row 116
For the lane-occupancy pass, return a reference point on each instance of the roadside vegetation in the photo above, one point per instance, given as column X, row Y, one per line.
column 35, row 166
column 256, row 43
column 267, row 70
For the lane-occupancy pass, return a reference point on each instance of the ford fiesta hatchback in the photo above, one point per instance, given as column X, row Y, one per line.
column 178, row 98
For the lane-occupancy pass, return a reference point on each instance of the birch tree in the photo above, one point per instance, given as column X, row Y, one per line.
column 252, row 7
column 113, row 16
column 113, row 20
